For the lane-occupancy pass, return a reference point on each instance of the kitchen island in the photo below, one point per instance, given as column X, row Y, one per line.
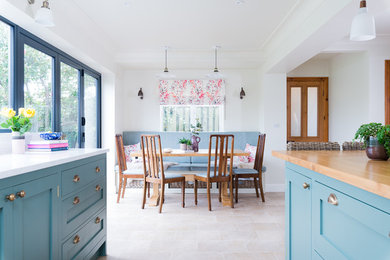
column 53, row 204
column 337, row 205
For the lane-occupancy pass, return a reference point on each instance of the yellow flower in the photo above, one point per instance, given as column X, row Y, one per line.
column 29, row 112
column 8, row 112
column 21, row 111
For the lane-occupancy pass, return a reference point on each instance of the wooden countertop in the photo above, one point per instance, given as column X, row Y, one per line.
column 352, row 167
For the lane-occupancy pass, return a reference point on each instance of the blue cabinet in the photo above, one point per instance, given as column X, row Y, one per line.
column 39, row 219
column 329, row 219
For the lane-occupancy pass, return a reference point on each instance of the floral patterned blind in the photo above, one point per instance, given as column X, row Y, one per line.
column 192, row 92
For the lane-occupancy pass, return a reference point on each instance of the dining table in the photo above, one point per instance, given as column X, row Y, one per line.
column 167, row 152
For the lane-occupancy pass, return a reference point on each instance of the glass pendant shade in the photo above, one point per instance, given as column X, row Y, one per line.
column 44, row 15
column 363, row 25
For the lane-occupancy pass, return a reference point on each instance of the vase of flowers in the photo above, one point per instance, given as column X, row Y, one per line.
column 19, row 125
column 195, row 139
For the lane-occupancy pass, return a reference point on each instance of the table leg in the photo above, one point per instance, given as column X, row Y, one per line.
column 154, row 200
column 225, row 195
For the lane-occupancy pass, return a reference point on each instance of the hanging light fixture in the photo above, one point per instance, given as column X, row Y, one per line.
column 166, row 74
column 44, row 15
column 363, row 25
column 215, row 74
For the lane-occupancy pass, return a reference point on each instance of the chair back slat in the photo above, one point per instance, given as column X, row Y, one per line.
column 260, row 153
column 152, row 157
column 221, row 154
column 120, row 151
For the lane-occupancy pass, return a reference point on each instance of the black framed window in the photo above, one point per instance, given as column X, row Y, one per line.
column 65, row 93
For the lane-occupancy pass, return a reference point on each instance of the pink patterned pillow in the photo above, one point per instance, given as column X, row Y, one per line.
column 131, row 148
column 252, row 153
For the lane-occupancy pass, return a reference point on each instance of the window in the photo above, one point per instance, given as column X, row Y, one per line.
column 5, row 64
column 64, row 92
column 183, row 102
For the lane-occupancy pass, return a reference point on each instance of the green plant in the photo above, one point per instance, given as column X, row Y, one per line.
column 383, row 136
column 365, row 131
column 195, row 129
column 185, row 141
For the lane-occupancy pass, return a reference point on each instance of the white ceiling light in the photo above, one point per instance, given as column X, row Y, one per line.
column 363, row 25
column 44, row 15
column 166, row 74
column 215, row 74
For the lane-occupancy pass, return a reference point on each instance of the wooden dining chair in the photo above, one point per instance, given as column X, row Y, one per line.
column 221, row 173
column 154, row 169
column 124, row 173
column 256, row 172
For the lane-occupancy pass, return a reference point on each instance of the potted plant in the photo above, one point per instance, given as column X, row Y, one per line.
column 184, row 143
column 195, row 139
column 384, row 138
column 373, row 136
column 19, row 124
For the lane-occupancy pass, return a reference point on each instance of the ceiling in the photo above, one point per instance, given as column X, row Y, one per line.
column 147, row 25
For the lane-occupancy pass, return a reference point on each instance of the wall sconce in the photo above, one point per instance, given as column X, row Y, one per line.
column 242, row 93
column 140, row 93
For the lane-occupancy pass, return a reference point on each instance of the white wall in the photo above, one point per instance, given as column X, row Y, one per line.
column 240, row 115
column 311, row 68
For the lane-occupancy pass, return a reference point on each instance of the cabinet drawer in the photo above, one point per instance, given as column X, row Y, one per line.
column 89, row 234
column 76, row 178
column 347, row 228
column 81, row 205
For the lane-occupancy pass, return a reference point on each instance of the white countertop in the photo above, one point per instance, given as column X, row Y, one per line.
column 15, row 164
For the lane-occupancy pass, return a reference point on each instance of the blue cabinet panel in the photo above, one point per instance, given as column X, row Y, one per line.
column 6, row 226
column 298, row 208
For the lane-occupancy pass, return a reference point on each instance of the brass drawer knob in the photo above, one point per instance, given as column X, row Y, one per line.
column 332, row 199
column 98, row 187
column 76, row 239
column 76, row 200
column 97, row 169
column 21, row 194
column 10, row 197
column 76, row 178
column 306, row 185
column 97, row 220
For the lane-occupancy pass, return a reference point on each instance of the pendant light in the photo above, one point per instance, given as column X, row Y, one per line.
column 44, row 15
column 363, row 25
column 215, row 74
column 166, row 74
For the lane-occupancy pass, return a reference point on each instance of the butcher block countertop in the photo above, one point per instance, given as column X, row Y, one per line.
column 352, row 167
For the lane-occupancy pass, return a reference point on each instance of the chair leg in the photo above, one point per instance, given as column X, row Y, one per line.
column 196, row 192
column 119, row 191
column 148, row 189
column 256, row 188
column 236, row 184
column 144, row 197
column 162, row 196
column 231, row 192
column 183, row 191
column 124, row 187
column 220, row 191
column 208, row 194
column 261, row 188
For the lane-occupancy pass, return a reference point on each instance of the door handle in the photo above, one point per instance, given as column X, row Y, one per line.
column 83, row 121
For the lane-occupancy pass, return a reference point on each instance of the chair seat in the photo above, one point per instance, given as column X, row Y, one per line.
column 245, row 171
column 169, row 175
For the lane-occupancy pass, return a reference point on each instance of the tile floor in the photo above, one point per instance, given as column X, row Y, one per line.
column 252, row 230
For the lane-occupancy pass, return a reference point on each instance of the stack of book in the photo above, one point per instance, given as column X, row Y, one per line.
column 48, row 145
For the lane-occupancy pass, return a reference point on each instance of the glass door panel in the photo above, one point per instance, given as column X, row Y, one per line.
column 296, row 111
column 38, row 87
column 90, row 111
column 70, row 104
column 312, row 111
column 5, row 64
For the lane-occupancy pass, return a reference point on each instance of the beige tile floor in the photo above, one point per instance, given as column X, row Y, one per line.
column 252, row 230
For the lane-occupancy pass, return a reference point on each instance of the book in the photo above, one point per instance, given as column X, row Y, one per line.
column 58, row 145
column 48, row 149
column 49, row 141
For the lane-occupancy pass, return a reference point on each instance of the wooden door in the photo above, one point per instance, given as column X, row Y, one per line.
column 307, row 109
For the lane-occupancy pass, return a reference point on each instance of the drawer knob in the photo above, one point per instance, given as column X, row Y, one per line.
column 76, row 239
column 306, row 185
column 10, row 197
column 97, row 169
column 98, row 187
column 21, row 194
column 76, row 200
column 332, row 199
column 76, row 178
column 97, row 220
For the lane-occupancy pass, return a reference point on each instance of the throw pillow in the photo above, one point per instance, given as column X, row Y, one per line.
column 131, row 148
column 252, row 153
